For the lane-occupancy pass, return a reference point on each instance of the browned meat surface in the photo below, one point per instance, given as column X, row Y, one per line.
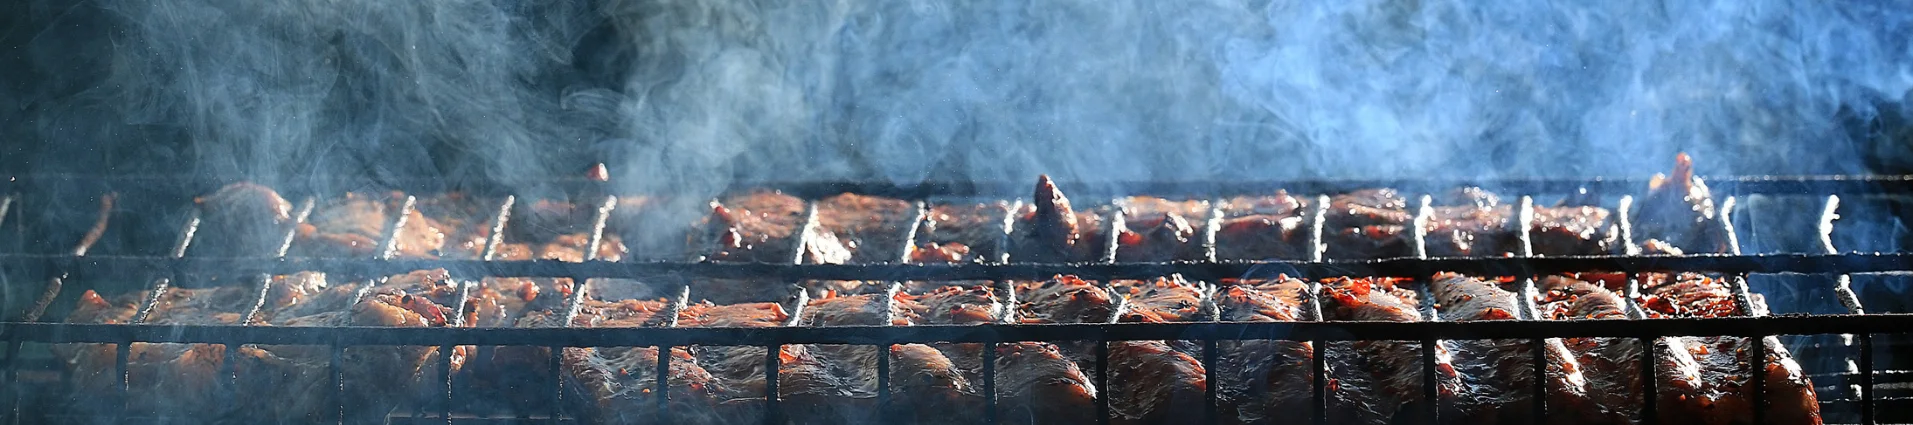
column 1470, row 231
column 1574, row 230
column 1679, row 210
column 922, row 378
column 1149, row 381
column 289, row 383
column 1035, row 383
column 1262, row 227
column 1369, row 223
column 1271, row 381
column 1724, row 361
column 1388, row 383
column 355, row 225
column 1169, row 299
column 161, row 378
column 956, row 233
column 1050, row 230
column 760, row 227
column 619, row 383
column 871, row 228
column 1157, row 229
column 801, row 372
column 1501, row 372
column 1612, row 365
column 242, row 220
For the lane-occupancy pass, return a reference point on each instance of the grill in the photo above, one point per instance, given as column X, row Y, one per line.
column 1876, row 393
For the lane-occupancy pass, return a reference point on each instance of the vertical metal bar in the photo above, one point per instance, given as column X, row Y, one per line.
column 1866, row 380
column 1113, row 231
column 773, row 414
column 120, row 385
column 285, row 245
column 1431, row 390
column 1211, row 414
column 335, row 380
column 989, row 383
column 6, row 205
column 1102, row 380
column 1539, row 347
column 663, row 396
column 1727, row 224
column 12, row 381
column 1423, row 214
column 910, row 233
column 1209, row 229
column 1318, row 216
column 1002, row 254
column 161, row 285
column 445, row 381
column 884, row 352
column 1318, row 369
column 497, row 235
column 1757, row 379
column 1623, row 214
column 802, row 241
column 1649, row 396
column 1524, row 226
column 557, row 381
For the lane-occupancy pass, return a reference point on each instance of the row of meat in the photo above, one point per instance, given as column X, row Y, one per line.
column 1152, row 381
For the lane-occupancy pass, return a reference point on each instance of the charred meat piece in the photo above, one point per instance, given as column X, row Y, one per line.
column 619, row 382
column 1050, row 230
column 1388, row 383
column 1150, row 382
column 1471, row 231
column 871, row 228
column 1613, row 364
column 242, row 220
column 355, row 225
column 290, row 383
column 957, row 233
column 1035, row 383
column 741, row 369
column 1157, row 229
column 1679, row 210
column 1501, row 372
column 1724, row 361
column 1271, row 381
column 1170, row 299
column 1370, row 223
column 764, row 227
column 1574, row 230
column 161, row 378
column 929, row 380
column 1263, row 227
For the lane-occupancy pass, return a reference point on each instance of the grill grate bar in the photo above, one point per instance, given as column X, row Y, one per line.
column 1866, row 379
column 186, row 233
column 1102, row 382
column 664, row 355
column 1430, row 389
column 1757, row 372
column 121, row 392
column 910, row 233
column 6, row 205
column 1848, row 263
column 576, row 301
column 1623, row 214
column 53, row 285
column 1210, row 228
column 1649, row 389
column 1317, row 216
column 1002, row 254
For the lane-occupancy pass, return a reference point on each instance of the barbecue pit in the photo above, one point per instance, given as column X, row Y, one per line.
column 1871, row 392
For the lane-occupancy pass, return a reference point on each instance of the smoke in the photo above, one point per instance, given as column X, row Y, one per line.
column 692, row 95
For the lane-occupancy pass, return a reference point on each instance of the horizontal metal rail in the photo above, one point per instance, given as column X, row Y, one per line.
column 876, row 335
column 1817, row 185
column 1398, row 267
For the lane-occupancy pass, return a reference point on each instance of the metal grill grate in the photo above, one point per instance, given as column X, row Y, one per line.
column 1431, row 333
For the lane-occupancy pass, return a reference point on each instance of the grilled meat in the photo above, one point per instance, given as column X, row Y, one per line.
column 1157, row 229
column 160, row 377
column 291, row 382
column 1724, row 361
column 762, row 227
column 1612, row 365
column 1150, row 382
column 956, row 233
column 928, row 379
column 1271, row 381
column 1679, row 210
column 741, row 369
column 870, row 227
column 1052, row 231
column 242, row 220
column 619, row 382
column 1035, row 383
column 355, row 225
column 1262, row 227
column 1370, row 223
column 1389, row 381
column 1574, row 230
column 1501, row 372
